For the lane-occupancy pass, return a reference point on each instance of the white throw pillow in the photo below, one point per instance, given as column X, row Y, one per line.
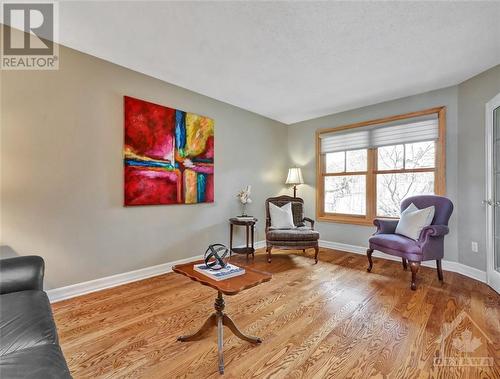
column 413, row 220
column 281, row 217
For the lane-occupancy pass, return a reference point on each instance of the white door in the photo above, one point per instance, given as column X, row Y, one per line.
column 493, row 192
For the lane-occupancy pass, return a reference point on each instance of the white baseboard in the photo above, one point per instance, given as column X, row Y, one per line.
column 460, row 268
column 259, row 244
column 63, row 293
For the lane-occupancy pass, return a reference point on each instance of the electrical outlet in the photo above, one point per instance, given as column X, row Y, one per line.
column 474, row 247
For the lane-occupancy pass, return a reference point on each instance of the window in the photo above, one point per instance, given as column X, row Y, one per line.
column 366, row 170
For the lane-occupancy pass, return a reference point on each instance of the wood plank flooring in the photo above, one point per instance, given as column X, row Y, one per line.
column 330, row 320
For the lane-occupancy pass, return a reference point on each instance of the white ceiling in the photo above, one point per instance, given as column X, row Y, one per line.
column 292, row 61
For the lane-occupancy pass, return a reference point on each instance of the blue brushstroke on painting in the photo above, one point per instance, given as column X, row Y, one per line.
column 202, row 160
column 180, row 129
column 137, row 162
column 202, row 182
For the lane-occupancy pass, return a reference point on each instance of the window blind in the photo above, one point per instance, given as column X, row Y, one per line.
column 381, row 135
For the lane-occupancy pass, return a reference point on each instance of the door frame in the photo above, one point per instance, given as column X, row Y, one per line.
column 493, row 277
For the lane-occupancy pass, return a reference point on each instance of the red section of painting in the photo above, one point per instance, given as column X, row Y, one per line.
column 149, row 129
column 146, row 186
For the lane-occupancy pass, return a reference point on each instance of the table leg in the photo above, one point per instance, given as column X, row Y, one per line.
column 227, row 321
column 219, row 319
column 220, row 343
column 253, row 248
column 209, row 323
column 230, row 239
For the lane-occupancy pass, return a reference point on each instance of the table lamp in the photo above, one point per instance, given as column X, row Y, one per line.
column 294, row 177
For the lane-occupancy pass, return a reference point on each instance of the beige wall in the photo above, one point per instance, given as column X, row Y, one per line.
column 473, row 95
column 62, row 171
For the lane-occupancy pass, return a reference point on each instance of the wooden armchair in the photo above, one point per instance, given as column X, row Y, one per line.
column 301, row 237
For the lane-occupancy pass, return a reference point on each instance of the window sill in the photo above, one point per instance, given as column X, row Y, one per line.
column 345, row 220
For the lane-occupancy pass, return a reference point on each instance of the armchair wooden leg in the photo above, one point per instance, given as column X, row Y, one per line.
column 414, row 266
column 269, row 248
column 439, row 270
column 316, row 252
column 369, row 253
column 405, row 264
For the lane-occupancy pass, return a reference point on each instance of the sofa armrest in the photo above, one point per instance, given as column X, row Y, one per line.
column 309, row 220
column 21, row 274
column 385, row 225
column 433, row 231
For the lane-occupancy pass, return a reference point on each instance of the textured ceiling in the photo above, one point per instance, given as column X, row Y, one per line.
column 292, row 61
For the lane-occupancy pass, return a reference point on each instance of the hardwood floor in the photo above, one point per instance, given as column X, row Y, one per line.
column 330, row 320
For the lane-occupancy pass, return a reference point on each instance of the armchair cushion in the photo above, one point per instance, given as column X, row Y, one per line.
column 281, row 217
column 413, row 220
column 302, row 233
column 395, row 242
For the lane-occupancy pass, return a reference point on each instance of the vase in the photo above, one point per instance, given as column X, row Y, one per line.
column 243, row 210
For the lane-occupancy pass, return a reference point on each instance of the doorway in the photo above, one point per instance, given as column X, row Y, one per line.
column 493, row 192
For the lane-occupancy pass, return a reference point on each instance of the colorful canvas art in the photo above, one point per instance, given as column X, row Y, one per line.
column 168, row 155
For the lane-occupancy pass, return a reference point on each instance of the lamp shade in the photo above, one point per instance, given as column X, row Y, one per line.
column 294, row 176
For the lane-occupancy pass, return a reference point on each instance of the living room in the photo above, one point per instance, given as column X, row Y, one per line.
column 336, row 159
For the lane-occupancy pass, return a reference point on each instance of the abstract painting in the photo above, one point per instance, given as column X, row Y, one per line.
column 168, row 155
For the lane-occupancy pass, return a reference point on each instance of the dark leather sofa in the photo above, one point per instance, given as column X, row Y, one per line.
column 28, row 337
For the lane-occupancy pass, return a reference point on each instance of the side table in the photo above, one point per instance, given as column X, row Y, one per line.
column 250, row 231
column 219, row 318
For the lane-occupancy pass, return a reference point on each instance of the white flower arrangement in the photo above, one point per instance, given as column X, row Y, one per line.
column 244, row 197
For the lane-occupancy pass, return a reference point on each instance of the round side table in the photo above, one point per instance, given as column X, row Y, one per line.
column 250, row 231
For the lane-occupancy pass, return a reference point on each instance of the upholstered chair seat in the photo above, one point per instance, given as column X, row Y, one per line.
column 300, row 237
column 302, row 233
column 393, row 244
column 430, row 244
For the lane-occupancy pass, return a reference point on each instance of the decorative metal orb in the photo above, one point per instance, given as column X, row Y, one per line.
column 216, row 256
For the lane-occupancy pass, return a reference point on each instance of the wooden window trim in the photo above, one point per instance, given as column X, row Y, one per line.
column 371, row 174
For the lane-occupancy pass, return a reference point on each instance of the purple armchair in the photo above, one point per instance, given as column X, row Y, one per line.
column 429, row 246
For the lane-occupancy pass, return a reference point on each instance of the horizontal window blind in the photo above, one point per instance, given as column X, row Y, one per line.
column 339, row 142
column 381, row 135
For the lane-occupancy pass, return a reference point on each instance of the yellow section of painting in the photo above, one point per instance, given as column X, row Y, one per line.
column 198, row 130
column 190, row 187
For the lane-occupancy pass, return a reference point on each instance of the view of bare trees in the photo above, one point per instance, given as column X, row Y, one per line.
column 393, row 188
column 347, row 193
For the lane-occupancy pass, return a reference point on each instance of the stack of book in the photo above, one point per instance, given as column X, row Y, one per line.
column 230, row 271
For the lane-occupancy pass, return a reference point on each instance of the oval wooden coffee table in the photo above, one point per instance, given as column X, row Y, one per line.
column 230, row 286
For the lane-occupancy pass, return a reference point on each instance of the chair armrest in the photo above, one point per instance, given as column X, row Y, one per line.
column 385, row 225
column 433, row 231
column 309, row 220
column 21, row 274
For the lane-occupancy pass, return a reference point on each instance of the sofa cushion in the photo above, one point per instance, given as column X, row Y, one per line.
column 45, row 361
column 25, row 321
column 395, row 242
column 302, row 233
